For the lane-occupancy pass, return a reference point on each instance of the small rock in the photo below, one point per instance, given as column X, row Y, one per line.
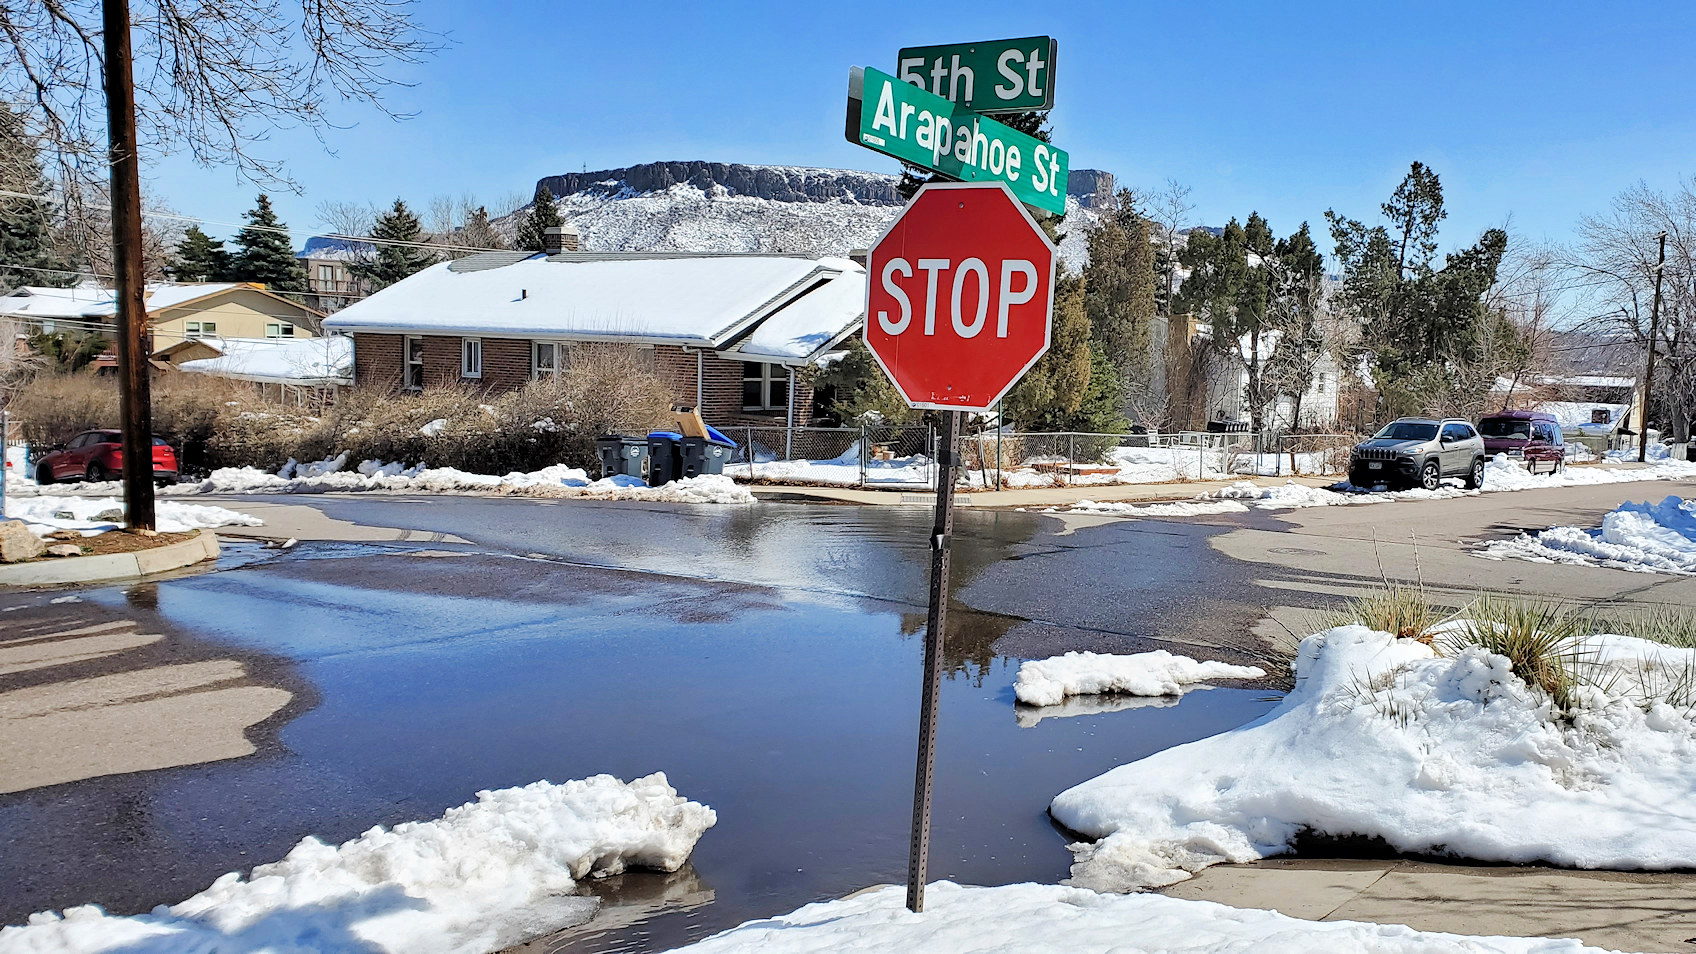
column 110, row 516
column 147, row 533
column 64, row 550
column 17, row 543
column 63, row 515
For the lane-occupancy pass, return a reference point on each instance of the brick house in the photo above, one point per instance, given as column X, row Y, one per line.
column 730, row 331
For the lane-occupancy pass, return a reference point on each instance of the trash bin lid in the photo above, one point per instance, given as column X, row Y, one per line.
column 717, row 436
column 664, row 436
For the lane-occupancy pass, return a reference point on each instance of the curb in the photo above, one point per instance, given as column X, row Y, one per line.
column 113, row 566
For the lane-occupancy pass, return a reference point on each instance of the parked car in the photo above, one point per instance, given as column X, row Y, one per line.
column 1419, row 452
column 99, row 455
column 1531, row 436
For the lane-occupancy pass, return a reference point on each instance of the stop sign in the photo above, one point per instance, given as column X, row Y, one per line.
column 960, row 290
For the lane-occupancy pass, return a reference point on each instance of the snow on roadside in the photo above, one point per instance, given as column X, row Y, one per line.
column 94, row 515
column 1045, row 682
column 485, row 875
column 1642, row 537
column 1382, row 738
column 1053, row 919
column 1179, row 508
column 707, row 488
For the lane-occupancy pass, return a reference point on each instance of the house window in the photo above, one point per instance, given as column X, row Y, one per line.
column 549, row 359
column 765, row 387
column 326, row 278
column 414, row 362
column 279, row 329
column 645, row 358
column 471, row 357
column 199, row 329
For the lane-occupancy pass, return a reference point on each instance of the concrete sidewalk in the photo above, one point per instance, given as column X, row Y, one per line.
column 1625, row 911
column 1032, row 497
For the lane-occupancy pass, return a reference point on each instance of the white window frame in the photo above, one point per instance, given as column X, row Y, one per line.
column 562, row 359
column 471, row 357
column 191, row 329
column 767, row 374
column 407, row 364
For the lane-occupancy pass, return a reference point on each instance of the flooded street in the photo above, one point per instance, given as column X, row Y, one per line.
column 766, row 659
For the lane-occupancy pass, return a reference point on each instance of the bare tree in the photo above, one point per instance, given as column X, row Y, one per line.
column 85, row 231
column 345, row 218
column 18, row 362
column 211, row 78
column 1170, row 208
column 1613, row 273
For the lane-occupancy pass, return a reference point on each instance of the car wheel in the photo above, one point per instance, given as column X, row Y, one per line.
column 43, row 475
column 1475, row 477
column 1430, row 476
column 97, row 474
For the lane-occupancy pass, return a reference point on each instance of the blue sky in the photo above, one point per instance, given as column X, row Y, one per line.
column 1534, row 112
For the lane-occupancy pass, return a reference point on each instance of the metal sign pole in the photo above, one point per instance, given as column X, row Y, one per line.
column 948, row 460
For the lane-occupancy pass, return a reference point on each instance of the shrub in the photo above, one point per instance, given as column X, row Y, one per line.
column 54, row 408
column 1542, row 641
column 1403, row 611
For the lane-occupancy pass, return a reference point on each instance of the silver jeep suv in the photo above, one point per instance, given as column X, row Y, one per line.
column 1419, row 452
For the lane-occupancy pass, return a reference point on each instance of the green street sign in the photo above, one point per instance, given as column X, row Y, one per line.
column 995, row 76
column 917, row 127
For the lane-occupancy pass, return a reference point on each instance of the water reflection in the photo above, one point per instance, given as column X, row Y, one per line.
column 1028, row 717
column 626, row 900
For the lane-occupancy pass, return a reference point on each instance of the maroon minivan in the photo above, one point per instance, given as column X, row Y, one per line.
column 1531, row 436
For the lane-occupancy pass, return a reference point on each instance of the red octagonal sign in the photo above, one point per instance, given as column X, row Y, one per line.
column 960, row 292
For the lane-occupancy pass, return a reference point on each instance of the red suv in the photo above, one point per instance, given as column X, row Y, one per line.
column 99, row 455
column 1531, row 436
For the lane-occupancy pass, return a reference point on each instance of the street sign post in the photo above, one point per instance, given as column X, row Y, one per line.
column 994, row 76
column 959, row 305
column 918, row 127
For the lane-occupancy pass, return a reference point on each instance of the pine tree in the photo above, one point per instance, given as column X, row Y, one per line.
column 200, row 258
column 1052, row 391
column 396, row 252
column 543, row 215
column 27, row 255
column 1120, row 292
column 265, row 253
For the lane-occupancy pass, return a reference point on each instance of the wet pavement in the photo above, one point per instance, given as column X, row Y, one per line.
column 767, row 659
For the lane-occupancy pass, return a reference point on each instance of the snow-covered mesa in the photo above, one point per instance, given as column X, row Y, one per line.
column 1045, row 682
column 1643, row 537
column 90, row 516
column 482, row 877
column 1384, row 738
column 1052, row 919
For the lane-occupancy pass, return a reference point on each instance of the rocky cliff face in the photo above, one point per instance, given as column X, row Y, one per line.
column 1092, row 187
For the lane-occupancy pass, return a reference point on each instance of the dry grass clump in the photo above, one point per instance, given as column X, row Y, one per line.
column 1543, row 642
column 1669, row 625
column 1404, row 611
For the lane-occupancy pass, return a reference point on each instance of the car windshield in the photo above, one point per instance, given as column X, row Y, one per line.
column 1407, row 431
column 1505, row 427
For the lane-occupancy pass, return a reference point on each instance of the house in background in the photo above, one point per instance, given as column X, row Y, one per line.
column 217, row 310
column 728, row 331
column 301, row 371
column 52, row 310
column 330, row 282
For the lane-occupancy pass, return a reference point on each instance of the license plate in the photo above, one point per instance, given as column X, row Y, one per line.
column 1374, row 465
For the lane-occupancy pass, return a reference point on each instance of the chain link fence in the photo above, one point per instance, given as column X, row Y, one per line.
column 881, row 455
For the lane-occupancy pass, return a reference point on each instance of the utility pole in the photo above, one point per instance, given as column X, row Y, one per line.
column 135, row 405
column 1654, row 335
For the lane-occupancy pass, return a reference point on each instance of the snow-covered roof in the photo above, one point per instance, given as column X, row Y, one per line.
column 1578, row 415
column 806, row 326
column 33, row 301
column 160, row 297
column 1565, row 380
column 305, row 361
column 703, row 300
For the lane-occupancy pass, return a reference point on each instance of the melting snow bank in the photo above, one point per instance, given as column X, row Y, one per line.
column 94, row 515
column 1051, row 919
column 1045, row 682
column 485, row 875
column 1645, row 537
column 707, row 488
column 1382, row 738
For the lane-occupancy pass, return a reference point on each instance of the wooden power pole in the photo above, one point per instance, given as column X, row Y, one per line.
column 135, row 404
column 1654, row 333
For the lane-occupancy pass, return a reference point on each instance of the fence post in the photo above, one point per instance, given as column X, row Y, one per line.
column 864, row 450
column 750, row 430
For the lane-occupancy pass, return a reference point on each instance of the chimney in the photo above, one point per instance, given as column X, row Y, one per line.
column 859, row 255
column 560, row 238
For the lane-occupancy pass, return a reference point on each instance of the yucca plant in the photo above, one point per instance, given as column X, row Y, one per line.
column 1403, row 611
column 1543, row 642
column 1660, row 624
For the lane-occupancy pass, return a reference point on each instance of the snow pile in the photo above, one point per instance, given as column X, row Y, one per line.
column 1382, row 738
column 843, row 470
column 434, row 428
column 1178, row 508
column 707, row 488
column 1045, row 682
column 1644, row 537
column 485, row 875
column 95, row 515
column 1052, row 919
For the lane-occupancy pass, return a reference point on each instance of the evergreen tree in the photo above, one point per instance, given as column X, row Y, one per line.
column 27, row 255
column 200, row 258
column 1051, row 393
column 542, row 216
column 1120, row 291
column 396, row 253
column 264, row 252
column 859, row 391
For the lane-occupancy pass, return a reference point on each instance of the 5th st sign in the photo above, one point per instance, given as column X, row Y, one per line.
column 994, row 76
column 960, row 295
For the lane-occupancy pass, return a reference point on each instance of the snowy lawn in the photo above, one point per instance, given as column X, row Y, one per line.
column 1446, row 754
column 1046, row 682
column 484, row 876
column 1644, row 537
column 1051, row 919
column 95, row 515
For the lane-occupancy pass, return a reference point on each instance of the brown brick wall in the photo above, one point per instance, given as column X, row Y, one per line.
column 378, row 360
